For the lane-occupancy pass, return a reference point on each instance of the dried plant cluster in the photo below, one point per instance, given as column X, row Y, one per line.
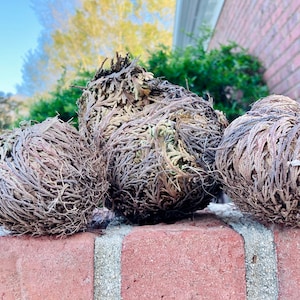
column 50, row 182
column 159, row 139
column 259, row 160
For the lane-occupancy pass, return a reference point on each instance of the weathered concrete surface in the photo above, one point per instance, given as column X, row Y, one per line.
column 108, row 251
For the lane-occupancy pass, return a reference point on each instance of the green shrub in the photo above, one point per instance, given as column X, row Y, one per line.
column 62, row 101
column 229, row 74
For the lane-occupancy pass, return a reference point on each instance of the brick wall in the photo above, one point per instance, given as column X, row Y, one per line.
column 219, row 254
column 270, row 30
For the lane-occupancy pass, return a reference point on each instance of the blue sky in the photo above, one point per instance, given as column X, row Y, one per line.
column 19, row 32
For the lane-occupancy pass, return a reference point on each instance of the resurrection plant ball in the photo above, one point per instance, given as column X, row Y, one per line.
column 160, row 140
column 50, row 181
column 259, row 160
column 116, row 94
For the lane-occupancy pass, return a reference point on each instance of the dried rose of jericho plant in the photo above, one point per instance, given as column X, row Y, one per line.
column 159, row 139
column 50, row 182
column 259, row 160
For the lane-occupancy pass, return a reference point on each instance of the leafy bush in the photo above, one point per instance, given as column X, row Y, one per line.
column 62, row 101
column 229, row 74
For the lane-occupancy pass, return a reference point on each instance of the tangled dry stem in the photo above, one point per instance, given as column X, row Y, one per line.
column 50, row 182
column 259, row 159
column 159, row 138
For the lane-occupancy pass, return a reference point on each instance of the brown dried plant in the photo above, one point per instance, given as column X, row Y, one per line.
column 259, row 160
column 159, row 139
column 50, row 182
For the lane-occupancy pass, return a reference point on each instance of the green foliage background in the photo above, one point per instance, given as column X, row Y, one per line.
column 61, row 102
column 230, row 75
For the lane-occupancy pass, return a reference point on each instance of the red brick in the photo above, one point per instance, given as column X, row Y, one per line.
column 200, row 259
column 287, row 243
column 287, row 85
column 46, row 268
column 294, row 93
column 283, row 60
column 268, row 29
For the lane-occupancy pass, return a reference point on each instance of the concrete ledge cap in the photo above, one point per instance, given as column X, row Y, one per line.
column 107, row 263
